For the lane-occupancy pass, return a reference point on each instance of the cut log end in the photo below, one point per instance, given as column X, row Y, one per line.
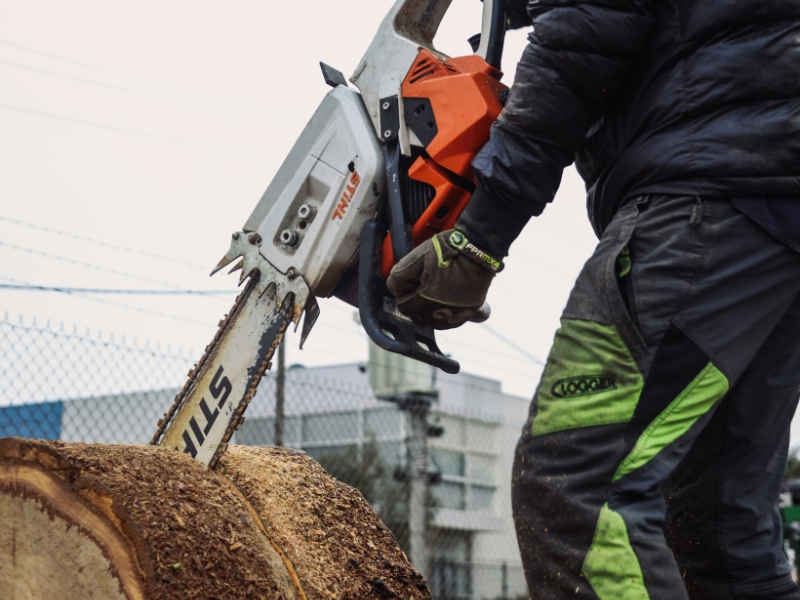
column 53, row 545
column 139, row 522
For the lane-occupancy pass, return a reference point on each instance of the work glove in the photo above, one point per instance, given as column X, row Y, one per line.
column 443, row 281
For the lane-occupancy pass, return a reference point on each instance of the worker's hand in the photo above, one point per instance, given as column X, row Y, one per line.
column 443, row 281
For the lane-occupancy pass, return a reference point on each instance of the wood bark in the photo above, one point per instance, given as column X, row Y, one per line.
column 141, row 522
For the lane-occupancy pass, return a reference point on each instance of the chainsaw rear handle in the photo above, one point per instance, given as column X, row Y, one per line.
column 379, row 315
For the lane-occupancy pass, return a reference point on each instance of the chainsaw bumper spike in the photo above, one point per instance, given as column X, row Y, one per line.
column 212, row 403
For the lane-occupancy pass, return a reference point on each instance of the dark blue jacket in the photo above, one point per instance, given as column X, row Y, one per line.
column 646, row 96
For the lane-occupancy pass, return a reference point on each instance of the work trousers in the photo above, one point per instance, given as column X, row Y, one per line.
column 657, row 442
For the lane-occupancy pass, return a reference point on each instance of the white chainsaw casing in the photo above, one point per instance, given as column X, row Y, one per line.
column 409, row 26
column 336, row 169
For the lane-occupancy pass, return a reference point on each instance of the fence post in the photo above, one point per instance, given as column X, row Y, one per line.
column 417, row 406
column 280, row 394
column 504, row 580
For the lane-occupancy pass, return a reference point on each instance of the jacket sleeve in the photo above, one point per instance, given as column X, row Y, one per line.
column 576, row 58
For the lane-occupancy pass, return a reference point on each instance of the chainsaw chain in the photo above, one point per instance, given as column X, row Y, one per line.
column 266, row 365
column 194, row 371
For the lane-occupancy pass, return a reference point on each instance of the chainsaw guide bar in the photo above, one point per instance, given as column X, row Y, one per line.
column 211, row 405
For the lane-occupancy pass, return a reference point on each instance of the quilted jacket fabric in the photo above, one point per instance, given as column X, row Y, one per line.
column 697, row 97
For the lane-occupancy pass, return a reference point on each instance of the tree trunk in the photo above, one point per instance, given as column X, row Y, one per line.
column 141, row 522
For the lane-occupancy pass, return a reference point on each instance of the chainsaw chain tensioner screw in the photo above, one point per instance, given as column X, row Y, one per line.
column 289, row 237
column 306, row 212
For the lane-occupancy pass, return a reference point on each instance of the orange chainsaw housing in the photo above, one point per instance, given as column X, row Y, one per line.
column 465, row 98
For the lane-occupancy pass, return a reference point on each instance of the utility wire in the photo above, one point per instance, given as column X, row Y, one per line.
column 568, row 230
column 90, row 266
column 521, row 253
column 120, row 304
column 128, row 90
column 346, row 308
column 104, row 244
column 360, row 333
column 314, row 350
column 299, row 379
column 99, row 340
column 134, row 131
column 200, row 292
column 130, row 77
column 71, row 290
column 511, row 344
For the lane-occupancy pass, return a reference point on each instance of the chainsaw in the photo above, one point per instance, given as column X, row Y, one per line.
column 376, row 171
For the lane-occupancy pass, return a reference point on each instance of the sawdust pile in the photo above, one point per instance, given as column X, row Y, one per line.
column 146, row 522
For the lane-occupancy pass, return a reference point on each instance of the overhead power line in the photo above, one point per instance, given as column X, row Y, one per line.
column 131, row 77
column 128, row 90
column 92, row 266
column 156, row 136
column 81, row 238
column 120, row 304
column 347, row 309
column 511, row 344
column 71, row 290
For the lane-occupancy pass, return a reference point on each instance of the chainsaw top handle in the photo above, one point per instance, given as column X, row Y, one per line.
column 419, row 20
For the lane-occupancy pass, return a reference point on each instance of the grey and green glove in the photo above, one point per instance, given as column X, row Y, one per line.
column 443, row 281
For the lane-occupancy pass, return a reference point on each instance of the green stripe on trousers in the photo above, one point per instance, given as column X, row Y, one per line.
column 611, row 566
column 692, row 403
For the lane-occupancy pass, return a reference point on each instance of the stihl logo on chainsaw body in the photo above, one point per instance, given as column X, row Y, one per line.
column 347, row 196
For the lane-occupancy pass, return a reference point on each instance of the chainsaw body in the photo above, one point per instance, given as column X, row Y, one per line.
column 398, row 154
column 374, row 173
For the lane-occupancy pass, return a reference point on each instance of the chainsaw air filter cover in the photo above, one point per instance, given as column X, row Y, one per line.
column 311, row 214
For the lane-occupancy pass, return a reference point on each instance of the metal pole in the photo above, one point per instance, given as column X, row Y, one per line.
column 280, row 394
column 417, row 406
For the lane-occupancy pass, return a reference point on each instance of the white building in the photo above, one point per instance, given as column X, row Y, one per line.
column 331, row 409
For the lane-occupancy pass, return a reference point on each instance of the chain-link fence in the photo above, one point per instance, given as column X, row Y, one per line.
column 62, row 384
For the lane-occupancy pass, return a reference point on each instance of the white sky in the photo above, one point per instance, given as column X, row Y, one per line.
column 157, row 126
